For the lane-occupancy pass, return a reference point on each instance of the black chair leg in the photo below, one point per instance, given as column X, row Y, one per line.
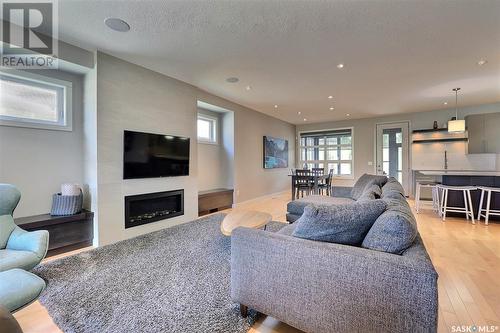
column 243, row 310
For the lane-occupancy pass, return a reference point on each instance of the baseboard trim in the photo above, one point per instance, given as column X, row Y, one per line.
column 259, row 198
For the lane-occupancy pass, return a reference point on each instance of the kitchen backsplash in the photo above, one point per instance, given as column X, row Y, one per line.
column 431, row 157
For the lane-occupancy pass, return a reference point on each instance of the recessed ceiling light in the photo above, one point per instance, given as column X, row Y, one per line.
column 332, row 108
column 299, row 113
column 445, row 103
column 248, row 88
column 232, row 79
column 305, row 119
column 482, row 62
column 330, row 97
column 340, row 66
column 117, row 24
column 275, row 106
column 348, row 114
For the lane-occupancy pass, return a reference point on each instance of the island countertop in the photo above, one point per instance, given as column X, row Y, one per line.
column 459, row 173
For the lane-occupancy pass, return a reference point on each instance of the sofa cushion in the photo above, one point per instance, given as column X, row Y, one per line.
column 393, row 194
column 371, row 193
column 394, row 230
column 297, row 206
column 376, row 189
column 343, row 224
column 392, row 185
column 287, row 230
column 365, row 181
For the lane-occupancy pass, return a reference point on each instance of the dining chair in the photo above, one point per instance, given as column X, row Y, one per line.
column 326, row 184
column 302, row 182
column 318, row 171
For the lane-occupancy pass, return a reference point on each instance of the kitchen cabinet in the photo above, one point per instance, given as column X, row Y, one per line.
column 484, row 134
column 492, row 132
column 456, row 199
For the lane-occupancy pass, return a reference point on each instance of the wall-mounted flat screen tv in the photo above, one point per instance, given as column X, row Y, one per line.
column 153, row 155
column 275, row 153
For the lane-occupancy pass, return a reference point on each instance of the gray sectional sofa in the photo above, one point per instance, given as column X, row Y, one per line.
column 386, row 284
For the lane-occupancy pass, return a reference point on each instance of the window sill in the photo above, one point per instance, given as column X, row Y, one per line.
column 208, row 143
column 34, row 125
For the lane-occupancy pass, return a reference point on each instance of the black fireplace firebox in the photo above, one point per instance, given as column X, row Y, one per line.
column 146, row 208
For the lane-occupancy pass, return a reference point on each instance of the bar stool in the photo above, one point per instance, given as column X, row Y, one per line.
column 467, row 209
column 435, row 195
column 487, row 210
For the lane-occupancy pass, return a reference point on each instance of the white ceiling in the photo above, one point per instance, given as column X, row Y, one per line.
column 399, row 56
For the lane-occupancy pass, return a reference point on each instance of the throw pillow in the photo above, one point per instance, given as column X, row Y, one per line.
column 343, row 224
column 365, row 181
column 392, row 185
column 394, row 230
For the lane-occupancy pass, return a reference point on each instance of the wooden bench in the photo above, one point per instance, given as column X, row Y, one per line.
column 214, row 200
column 66, row 233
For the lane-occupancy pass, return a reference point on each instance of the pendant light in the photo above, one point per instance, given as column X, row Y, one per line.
column 456, row 126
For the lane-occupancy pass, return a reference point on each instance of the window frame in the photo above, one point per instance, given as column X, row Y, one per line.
column 325, row 161
column 64, row 103
column 214, row 121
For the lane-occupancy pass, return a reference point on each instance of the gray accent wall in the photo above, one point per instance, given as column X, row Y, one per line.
column 131, row 97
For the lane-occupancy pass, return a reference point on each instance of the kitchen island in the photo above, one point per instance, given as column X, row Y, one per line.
column 466, row 178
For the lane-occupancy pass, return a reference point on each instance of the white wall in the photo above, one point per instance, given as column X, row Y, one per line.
column 364, row 133
column 228, row 146
column 38, row 161
column 90, row 147
column 251, row 180
column 212, row 160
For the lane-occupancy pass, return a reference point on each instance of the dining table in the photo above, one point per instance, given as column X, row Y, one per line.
column 315, row 180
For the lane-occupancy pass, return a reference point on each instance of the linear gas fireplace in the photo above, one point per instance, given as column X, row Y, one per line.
column 151, row 207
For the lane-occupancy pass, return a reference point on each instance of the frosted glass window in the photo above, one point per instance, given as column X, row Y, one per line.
column 28, row 102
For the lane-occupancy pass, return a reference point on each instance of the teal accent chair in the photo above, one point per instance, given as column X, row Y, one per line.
column 18, row 248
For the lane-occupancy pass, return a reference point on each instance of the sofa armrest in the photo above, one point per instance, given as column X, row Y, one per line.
column 341, row 191
column 33, row 241
column 325, row 287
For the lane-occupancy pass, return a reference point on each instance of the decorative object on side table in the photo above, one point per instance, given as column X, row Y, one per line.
column 435, row 125
column 68, row 202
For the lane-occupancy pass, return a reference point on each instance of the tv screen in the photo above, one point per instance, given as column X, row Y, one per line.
column 275, row 153
column 154, row 155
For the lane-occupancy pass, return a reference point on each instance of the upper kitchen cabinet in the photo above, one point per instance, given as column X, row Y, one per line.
column 484, row 133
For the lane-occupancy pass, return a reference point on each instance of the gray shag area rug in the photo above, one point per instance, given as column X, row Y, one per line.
column 172, row 280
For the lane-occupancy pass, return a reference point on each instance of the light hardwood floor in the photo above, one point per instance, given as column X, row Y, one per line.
column 466, row 256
